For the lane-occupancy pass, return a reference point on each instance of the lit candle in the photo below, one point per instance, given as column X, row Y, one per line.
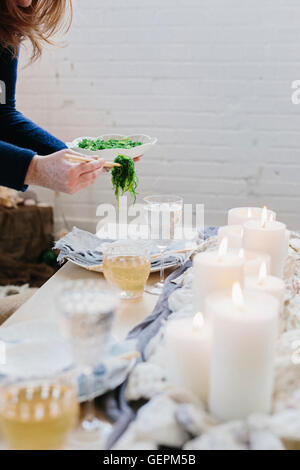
column 215, row 270
column 240, row 215
column 253, row 260
column 187, row 347
column 234, row 234
column 269, row 284
column 245, row 327
column 267, row 237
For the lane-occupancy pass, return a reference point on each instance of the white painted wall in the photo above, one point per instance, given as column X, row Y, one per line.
column 210, row 78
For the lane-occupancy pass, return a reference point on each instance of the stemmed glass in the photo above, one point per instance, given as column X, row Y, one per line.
column 164, row 218
column 87, row 313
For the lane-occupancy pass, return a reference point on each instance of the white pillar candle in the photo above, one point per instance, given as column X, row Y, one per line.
column 187, row 347
column 253, row 260
column 215, row 270
column 234, row 233
column 267, row 237
column 270, row 284
column 243, row 350
column 240, row 215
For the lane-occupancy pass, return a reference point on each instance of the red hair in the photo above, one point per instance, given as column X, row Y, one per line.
column 38, row 23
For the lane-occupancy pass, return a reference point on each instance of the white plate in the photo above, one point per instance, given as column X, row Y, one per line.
column 99, row 269
column 110, row 154
column 35, row 348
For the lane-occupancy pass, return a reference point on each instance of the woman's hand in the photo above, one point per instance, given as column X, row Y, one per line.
column 55, row 172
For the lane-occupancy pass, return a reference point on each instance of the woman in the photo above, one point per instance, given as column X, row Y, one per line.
column 29, row 154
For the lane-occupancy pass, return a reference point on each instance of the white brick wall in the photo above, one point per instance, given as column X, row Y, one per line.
column 210, row 78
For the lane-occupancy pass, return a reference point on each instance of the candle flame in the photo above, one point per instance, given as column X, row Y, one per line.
column 198, row 320
column 237, row 295
column 262, row 272
column 264, row 217
column 242, row 253
column 249, row 212
column 223, row 248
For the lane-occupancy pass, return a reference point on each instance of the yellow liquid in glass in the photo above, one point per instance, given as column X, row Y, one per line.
column 38, row 418
column 129, row 273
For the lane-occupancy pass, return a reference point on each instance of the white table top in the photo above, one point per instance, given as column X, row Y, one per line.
column 42, row 305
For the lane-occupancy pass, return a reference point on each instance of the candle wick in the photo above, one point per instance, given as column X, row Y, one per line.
column 241, row 308
column 262, row 280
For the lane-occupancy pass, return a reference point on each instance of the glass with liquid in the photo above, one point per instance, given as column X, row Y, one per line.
column 163, row 214
column 127, row 265
column 37, row 415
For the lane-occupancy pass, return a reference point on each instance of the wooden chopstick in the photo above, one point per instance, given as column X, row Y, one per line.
column 78, row 159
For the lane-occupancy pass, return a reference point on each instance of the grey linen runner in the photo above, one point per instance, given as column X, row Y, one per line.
column 116, row 405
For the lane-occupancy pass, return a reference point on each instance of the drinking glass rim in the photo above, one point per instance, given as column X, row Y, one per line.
column 63, row 377
column 82, row 285
column 174, row 199
column 138, row 247
column 85, row 285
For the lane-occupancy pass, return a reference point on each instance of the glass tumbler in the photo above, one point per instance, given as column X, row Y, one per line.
column 126, row 264
column 87, row 312
column 37, row 414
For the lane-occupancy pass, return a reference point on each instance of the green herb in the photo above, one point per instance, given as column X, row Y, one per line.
column 99, row 144
column 124, row 178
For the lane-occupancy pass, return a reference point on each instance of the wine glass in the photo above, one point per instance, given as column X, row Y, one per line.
column 87, row 312
column 126, row 264
column 37, row 414
column 164, row 218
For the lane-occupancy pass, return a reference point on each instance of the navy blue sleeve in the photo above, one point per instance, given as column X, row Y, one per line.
column 26, row 139
column 14, row 163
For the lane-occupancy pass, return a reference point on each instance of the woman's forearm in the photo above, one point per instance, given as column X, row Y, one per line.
column 55, row 172
column 14, row 164
column 29, row 154
column 18, row 130
column 21, row 167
